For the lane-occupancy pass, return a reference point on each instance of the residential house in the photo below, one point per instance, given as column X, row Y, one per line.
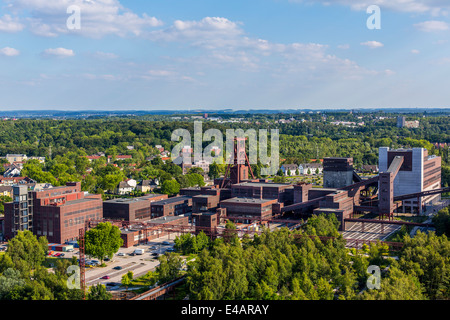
column 289, row 169
column 93, row 157
column 368, row 168
column 125, row 187
column 147, row 185
column 40, row 159
column 119, row 158
column 311, row 168
column 12, row 171
column 16, row 157
column 6, row 191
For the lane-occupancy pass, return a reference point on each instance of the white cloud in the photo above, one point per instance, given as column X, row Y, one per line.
column 210, row 32
column 59, row 52
column 105, row 55
column 344, row 46
column 98, row 18
column 9, row 52
column 440, row 42
column 226, row 46
column 415, row 51
column 372, row 44
column 9, row 24
column 433, row 25
column 160, row 73
column 433, row 7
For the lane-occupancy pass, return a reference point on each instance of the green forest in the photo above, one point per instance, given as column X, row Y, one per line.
column 298, row 265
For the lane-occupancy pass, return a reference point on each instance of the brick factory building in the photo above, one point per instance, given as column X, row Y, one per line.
column 261, row 190
column 131, row 209
column 337, row 203
column 206, row 222
column 56, row 213
column 171, row 207
column 135, row 235
column 249, row 207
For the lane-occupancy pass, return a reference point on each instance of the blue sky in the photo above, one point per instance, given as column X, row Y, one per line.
column 247, row 54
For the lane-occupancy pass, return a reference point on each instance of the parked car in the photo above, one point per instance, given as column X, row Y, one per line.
column 155, row 254
column 70, row 250
column 106, row 259
column 139, row 251
column 166, row 243
column 62, row 255
column 117, row 268
column 121, row 254
column 105, row 277
column 113, row 284
column 170, row 250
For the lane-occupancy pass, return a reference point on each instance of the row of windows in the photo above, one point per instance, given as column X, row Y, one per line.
column 82, row 210
column 80, row 220
column 432, row 180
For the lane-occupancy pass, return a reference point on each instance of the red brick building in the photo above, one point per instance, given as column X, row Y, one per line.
column 249, row 207
column 56, row 213
column 131, row 209
column 172, row 207
column 139, row 234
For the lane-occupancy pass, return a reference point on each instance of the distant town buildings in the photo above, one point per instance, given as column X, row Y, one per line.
column 347, row 123
column 441, row 145
column 302, row 169
column 402, row 123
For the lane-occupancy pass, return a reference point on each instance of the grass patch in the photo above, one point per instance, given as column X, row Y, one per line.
column 417, row 219
column 147, row 280
column 398, row 235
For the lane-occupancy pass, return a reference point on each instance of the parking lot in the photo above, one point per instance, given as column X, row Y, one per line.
column 124, row 258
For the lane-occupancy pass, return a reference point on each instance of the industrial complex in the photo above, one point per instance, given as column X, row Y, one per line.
column 408, row 180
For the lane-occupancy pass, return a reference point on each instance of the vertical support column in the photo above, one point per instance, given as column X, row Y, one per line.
column 82, row 262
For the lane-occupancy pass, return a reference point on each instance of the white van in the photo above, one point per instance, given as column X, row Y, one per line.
column 139, row 251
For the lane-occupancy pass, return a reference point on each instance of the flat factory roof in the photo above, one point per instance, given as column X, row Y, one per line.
column 130, row 200
column 171, row 200
column 247, row 200
column 262, row 184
